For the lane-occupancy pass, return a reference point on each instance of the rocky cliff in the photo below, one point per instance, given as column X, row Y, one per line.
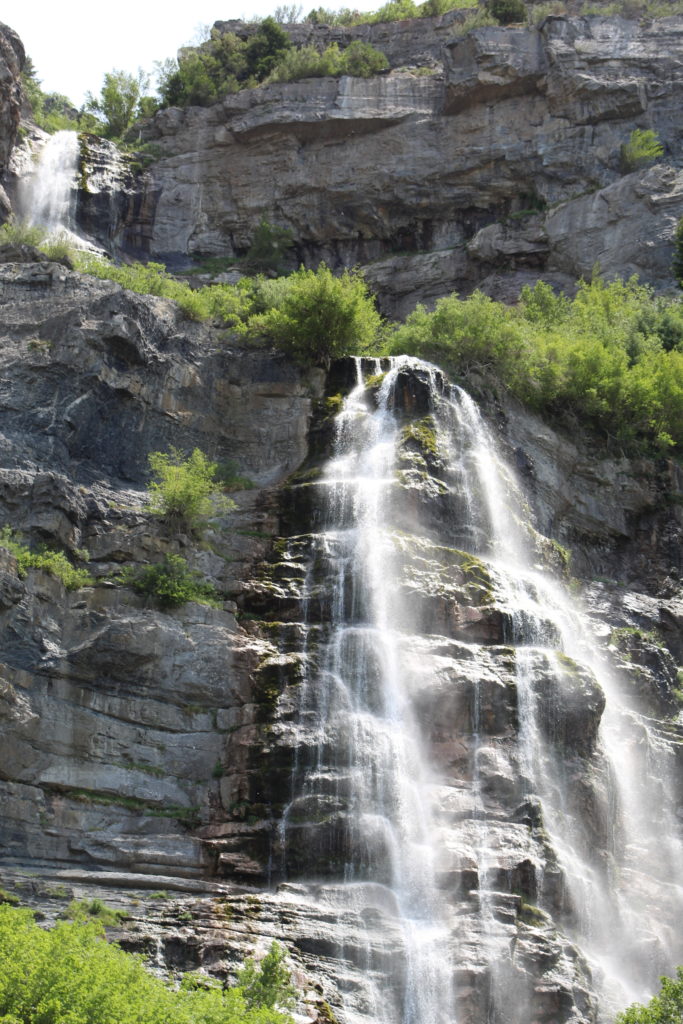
column 147, row 756
column 481, row 159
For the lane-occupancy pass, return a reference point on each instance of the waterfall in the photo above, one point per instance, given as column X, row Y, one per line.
column 367, row 776
column 47, row 199
column 624, row 925
column 469, row 779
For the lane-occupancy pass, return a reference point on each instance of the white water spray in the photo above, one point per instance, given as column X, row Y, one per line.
column 47, row 199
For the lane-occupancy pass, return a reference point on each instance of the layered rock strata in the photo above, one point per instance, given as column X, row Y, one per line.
column 504, row 154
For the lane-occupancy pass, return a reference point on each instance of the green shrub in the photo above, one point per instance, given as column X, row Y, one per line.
column 267, row 983
column 507, row 11
column 14, row 232
column 71, row 974
column 613, row 355
column 269, row 248
column 479, row 18
column 53, row 562
column 361, row 60
column 85, row 910
column 664, row 1008
column 224, row 302
column 320, row 316
column 641, row 150
column 171, row 583
column 222, row 65
column 182, row 488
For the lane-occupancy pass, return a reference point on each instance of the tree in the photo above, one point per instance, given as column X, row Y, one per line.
column 117, row 104
column 268, row 983
column 665, row 1008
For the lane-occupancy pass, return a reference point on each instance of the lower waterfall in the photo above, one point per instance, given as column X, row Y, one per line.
column 475, row 804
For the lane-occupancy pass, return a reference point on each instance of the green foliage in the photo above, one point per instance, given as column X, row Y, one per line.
column 221, row 65
column 359, row 59
column 71, row 975
column 86, row 910
column 320, row 316
column 479, row 18
column 267, row 983
column 641, row 150
column 182, row 487
column 171, row 583
column 612, row 356
column 269, row 248
column 224, row 302
column 664, row 1008
column 55, row 247
column 395, row 10
column 53, row 562
column 51, row 111
column 507, row 11
column 118, row 104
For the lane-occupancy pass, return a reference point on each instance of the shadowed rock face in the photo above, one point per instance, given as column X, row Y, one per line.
column 146, row 752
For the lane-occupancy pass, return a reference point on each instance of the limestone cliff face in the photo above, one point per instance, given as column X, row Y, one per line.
column 501, row 153
column 147, row 756
column 11, row 62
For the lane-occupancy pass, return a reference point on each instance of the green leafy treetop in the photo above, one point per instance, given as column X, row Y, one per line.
column 70, row 975
column 182, row 488
column 267, row 983
column 665, row 1008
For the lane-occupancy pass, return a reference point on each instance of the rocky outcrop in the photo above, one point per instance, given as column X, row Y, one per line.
column 500, row 157
column 12, row 58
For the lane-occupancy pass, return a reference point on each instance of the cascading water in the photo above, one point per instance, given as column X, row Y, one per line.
column 47, row 199
column 367, row 774
column 628, row 931
column 481, row 845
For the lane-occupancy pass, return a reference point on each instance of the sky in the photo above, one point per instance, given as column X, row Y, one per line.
column 73, row 43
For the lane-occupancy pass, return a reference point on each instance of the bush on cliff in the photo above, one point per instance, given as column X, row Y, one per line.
column 55, row 563
column 170, row 583
column 359, row 59
column 319, row 316
column 641, row 150
column 613, row 356
column 71, row 974
column 183, row 489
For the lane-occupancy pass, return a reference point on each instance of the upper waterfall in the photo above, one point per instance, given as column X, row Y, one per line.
column 47, row 198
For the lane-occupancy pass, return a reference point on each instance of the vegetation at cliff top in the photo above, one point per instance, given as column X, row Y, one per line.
column 612, row 357
column 53, row 562
column 70, row 973
column 664, row 1008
